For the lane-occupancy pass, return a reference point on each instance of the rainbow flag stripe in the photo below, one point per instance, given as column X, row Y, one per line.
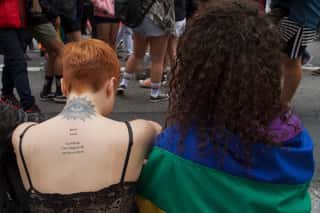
column 184, row 179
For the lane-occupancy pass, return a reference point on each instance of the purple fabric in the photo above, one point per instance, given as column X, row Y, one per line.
column 283, row 129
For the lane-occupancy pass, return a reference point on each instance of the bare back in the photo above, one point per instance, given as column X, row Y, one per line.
column 72, row 153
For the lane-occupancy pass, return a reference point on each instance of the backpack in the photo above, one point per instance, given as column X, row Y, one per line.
column 132, row 12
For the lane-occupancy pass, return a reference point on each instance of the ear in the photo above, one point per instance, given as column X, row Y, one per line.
column 63, row 88
column 110, row 87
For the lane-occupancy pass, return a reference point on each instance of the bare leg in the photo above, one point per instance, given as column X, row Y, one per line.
column 172, row 49
column 113, row 35
column 74, row 36
column 140, row 45
column 54, row 48
column 158, row 51
column 54, row 69
column 170, row 55
column 292, row 75
column 107, row 32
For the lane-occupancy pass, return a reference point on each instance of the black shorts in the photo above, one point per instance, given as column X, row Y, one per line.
column 102, row 20
column 295, row 37
column 70, row 24
column 68, row 11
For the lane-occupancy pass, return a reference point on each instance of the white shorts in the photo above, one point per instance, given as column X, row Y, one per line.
column 179, row 28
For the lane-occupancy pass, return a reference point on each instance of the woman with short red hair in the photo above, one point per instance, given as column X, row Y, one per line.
column 81, row 161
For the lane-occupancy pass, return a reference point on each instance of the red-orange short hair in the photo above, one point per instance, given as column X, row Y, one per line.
column 88, row 64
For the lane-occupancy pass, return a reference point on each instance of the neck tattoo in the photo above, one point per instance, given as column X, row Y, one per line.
column 78, row 108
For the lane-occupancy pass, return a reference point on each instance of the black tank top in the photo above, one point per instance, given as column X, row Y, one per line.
column 117, row 198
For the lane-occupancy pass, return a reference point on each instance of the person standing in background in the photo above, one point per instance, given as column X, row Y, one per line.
column 298, row 22
column 107, row 25
column 68, row 11
column 155, row 29
column 41, row 25
column 180, row 8
column 12, row 28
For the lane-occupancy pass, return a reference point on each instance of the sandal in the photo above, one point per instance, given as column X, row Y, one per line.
column 145, row 83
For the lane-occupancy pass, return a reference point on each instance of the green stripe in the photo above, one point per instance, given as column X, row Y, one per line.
column 178, row 185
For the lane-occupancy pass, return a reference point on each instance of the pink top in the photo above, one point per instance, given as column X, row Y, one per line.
column 104, row 8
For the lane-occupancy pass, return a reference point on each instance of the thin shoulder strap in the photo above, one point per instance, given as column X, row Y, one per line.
column 125, row 166
column 23, row 160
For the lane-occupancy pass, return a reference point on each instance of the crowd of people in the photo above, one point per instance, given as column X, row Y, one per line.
column 230, row 143
column 55, row 22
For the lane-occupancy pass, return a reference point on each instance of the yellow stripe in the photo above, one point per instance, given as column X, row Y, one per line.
column 146, row 206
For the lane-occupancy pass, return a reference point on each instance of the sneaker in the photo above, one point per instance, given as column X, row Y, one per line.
column 27, row 57
column 306, row 59
column 121, row 89
column 310, row 67
column 10, row 100
column 60, row 99
column 46, row 96
column 34, row 114
column 159, row 98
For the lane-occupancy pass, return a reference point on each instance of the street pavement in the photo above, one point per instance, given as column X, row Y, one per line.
column 135, row 105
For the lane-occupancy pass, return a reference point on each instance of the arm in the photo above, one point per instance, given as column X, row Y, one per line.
column 156, row 127
column 145, row 133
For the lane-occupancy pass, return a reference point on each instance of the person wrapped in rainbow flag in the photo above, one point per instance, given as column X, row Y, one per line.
column 230, row 144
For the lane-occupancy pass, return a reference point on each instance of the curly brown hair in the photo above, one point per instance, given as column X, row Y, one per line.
column 228, row 73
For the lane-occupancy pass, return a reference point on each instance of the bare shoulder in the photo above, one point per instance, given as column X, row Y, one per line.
column 145, row 131
column 18, row 132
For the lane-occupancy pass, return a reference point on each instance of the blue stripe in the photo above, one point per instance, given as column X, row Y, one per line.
column 291, row 163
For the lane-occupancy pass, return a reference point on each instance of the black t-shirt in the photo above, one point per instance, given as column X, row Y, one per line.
column 49, row 13
column 191, row 7
column 180, row 9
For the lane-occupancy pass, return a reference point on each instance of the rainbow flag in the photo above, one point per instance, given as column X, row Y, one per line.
column 185, row 179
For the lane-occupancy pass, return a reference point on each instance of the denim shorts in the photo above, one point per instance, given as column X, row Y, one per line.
column 149, row 29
